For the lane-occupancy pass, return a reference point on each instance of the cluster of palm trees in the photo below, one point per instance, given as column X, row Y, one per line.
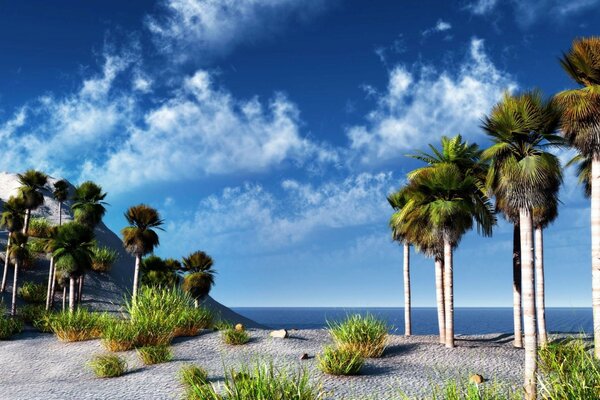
column 518, row 177
column 70, row 245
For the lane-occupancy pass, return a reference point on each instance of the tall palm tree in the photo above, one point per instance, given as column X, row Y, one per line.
column 397, row 201
column 11, row 219
column 542, row 217
column 201, row 277
column 60, row 194
column 451, row 201
column 140, row 238
column 17, row 253
column 32, row 182
column 524, row 176
column 580, row 126
column 71, row 248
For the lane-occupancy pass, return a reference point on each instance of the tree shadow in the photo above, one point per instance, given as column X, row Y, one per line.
column 399, row 349
column 499, row 339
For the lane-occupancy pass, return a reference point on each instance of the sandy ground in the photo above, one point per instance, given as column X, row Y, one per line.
column 35, row 365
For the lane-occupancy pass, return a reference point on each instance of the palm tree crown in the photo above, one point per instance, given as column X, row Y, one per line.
column 32, row 182
column 61, row 190
column 71, row 247
column 139, row 238
column 197, row 261
column 12, row 214
column 88, row 204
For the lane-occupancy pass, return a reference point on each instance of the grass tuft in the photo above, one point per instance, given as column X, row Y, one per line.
column 77, row 326
column 103, row 258
column 192, row 320
column 234, row 337
column 9, row 326
column 190, row 375
column 107, row 365
column 39, row 228
column 119, row 335
column 155, row 354
column 366, row 335
column 32, row 292
column 340, row 361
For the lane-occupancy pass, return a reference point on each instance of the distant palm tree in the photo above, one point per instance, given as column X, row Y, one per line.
column 140, row 238
column 525, row 176
column 17, row 253
column 32, row 182
column 580, row 126
column 88, row 204
column 201, row 277
column 60, row 194
column 397, row 201
column 71, row 248
column 11, row 219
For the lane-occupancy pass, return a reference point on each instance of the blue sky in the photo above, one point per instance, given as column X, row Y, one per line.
column 268, row 132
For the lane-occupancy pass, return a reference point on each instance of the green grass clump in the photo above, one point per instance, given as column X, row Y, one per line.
column 77, row 326
column 192, row 320
column 33, row 292
column 37, row 246
column 366, row 335
column 155, row 354
column 103, row 258
column 190, row 375
column 107, row 365
column 340, row 361
column 9, row 326
column 119, row 335
column 464, row 390
column 234, row 337
column 39, row 228
column 568, row 370
column 262, row 381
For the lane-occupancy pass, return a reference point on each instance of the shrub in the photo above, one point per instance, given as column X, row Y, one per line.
column 190, row 375
column 103, row 258
column 9, row 326
column 234, row 337
column 118, row 335
column 569, row 371
column 155, row 354
column 366, row 335
column 260, row 382
column 33, row 292
column 36, row 315
column 77, row 326
column 39, row 227
column 107, row 365
column 191, row 321
column 340, row 361
column 37, row 246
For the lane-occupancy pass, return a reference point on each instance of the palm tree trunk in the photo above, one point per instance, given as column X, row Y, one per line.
column 71, row 294
column 595, row 208
column 64, row 303
column 196, row 303
column 6, row 258
column 53, row 286
column 528, row 287
column 26, row 224
column 407, row 319
column 59, row 213
column 448, row 293
column 540, row 301
column 50, row 293
column 13, row 307
column 439, row 294
column 136, row 275
column 80, row 288
column 517, row 317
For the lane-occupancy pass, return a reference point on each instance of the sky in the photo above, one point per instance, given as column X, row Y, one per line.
column 269, row 132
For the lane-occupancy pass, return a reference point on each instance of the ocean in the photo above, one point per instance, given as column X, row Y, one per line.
column 470, row 321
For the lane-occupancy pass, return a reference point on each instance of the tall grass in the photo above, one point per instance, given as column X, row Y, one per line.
column 568, row 370
column 103, row 258
column 464, row 390
column 107, row 365
column 32, row 292
column 77, row 326
column 119, row 335
column 39, row 227
column 366, row 335
column 191, row 321
column 9, row 326
column 340, row 361
column 155, row 354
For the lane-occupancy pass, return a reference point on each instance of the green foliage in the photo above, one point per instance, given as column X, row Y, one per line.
column 36, row 315
column 33, row 292
column 9, row 326
column 464, row 390
column 366, row 335
column 37, row 246
column 107, row 365
column 262, row 381
column 192, row 320
column 88, row 204
column 158, row 273
column 103, row 258
column 39, row 228
column 12, row 217
column 139, row 238
column 78, row 325
column 190, row 375
column 340, row 361
column 32, row 182
column 234, row 337
column 569, row 371
column 198, row 284
column 61, row 190
column 155, row 354
column 119, row 334
column 71, row 247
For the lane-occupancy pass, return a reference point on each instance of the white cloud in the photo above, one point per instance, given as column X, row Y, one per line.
column 201, row 29
column 440, row 26
column 417, row 107
column 481, row 7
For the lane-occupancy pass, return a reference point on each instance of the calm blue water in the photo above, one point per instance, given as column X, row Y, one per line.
column 424, row 320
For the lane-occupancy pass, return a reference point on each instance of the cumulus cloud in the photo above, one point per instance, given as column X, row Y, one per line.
column 200, row 29
column 420, row 105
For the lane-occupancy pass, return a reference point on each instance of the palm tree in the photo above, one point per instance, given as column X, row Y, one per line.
column 580, row 126
column 17, row 253
column 71, row 248
column 88, row 204
column 201, row 276
column 60, row 194
column 542, row 217
column 397, row 201
column 32, row 182
column 139, row 238
column 450, row 200
column 524, row 176
column 12, row 220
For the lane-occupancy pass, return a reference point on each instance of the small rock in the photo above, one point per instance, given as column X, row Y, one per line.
column 280, row 334
column 476, row 378
column 240, row 328
column 304, row 356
